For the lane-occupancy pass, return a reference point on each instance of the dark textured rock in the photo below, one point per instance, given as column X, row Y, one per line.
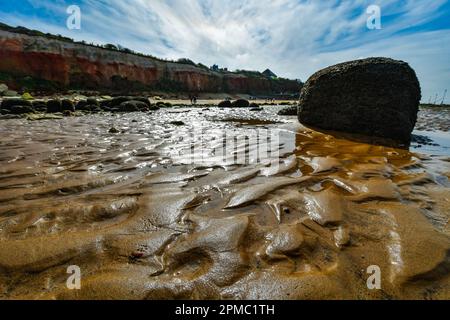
column 377, row 97
column 105, row 104
column 3, row 88
column 255, row 107
column 82, row 106
column 92, row 102
column 54, row 106
column 21, row 109
column 289, row 111
column 95, row 109
column 161, row 104
column 36, row 103
column 40, row 107
column 133, row 106
column 153, row 108
column 67, row 105
column 225, row 104
column 142, row 99
column 177, row 123
column 241, row 103
column 117, row 101
column 85, row 106
column 8, row 103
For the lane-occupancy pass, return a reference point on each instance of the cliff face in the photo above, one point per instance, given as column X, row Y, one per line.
column 69, row 65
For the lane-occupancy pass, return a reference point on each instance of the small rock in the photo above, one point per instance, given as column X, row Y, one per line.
column 3, row 88
column 113, row 130
column 289, row 111
column 177, row 123
column 27, row 96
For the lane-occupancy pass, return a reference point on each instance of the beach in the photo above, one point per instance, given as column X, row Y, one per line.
column 152, row 210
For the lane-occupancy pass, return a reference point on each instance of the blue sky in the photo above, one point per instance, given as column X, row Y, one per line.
column 294, row 38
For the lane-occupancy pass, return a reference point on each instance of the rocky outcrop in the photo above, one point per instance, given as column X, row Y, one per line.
column 377, row 97
column 47, row 62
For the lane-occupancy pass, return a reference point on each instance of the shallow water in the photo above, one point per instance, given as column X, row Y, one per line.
column 161, row 210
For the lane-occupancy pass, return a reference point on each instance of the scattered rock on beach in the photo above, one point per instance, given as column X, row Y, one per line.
column 3, row 88
column 225, row 104
column 8, row 103
column 133, row 106
column 83, row 106
column 240, row 103
column 54, row 106
column 67, row 105
column 117, row 101
column 255, row 107
column 377, row 97
column 21, row 109
column 40, row 106
column 177, row 123
column 92, row 102
column 289, row 111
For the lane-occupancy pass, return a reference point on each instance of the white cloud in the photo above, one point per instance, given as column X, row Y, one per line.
column 292, row 37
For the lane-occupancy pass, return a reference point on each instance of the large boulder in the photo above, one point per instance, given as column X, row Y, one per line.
column 377, row 97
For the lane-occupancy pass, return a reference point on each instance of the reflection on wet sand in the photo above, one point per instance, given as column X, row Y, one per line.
column 143, row 221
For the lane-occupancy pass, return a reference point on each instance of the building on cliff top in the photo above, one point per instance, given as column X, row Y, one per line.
column 269, row 74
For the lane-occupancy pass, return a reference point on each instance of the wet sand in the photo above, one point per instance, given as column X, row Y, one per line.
column 145, row 219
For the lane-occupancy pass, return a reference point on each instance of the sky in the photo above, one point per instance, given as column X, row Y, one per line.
column 294, row 38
